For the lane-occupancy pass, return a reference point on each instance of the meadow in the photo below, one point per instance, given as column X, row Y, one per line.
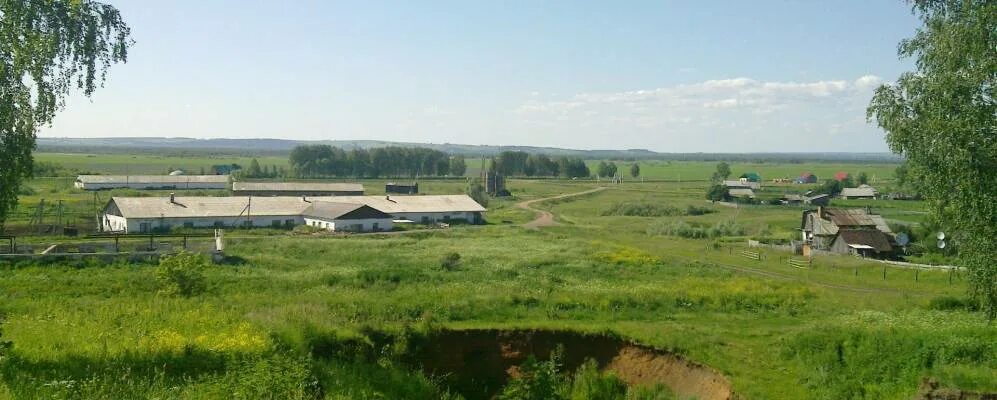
column 293, row 315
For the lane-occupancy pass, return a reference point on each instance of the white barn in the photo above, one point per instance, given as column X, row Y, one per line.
column 364, row 213
column 143, row 182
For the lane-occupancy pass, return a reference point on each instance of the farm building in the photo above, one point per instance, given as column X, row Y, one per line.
column 142, row 182
column 841, row 176
column 792, row 199
column 739, row 193
column 743, row 183
column 296, row 189
column 823, row 226
column 146, row 214
column 861, row 192
column 401, row 188
column 818, row 200
column 347, row 217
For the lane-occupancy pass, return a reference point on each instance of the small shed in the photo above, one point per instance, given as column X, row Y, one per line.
column 344, row 217
column 741, row 193
column 401, row 188
column 806, row 177
column 861, row 192
column 863, row 242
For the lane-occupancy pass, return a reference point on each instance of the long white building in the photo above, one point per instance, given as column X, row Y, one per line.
column 353, row 213
column 143, row 182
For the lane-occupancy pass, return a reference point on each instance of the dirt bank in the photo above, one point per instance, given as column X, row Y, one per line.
column 478, row 363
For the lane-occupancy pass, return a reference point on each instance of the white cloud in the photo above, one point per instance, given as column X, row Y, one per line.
column 715, row 114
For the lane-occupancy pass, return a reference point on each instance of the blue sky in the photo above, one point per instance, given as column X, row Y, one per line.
column 731, row 76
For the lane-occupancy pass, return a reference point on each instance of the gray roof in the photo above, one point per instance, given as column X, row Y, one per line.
column 744, row 184
column 332, row 211
column 297, row 186
column 156, row 179
column 861, row 191
column 741, row 192
column 416, row 203
column 202, row 206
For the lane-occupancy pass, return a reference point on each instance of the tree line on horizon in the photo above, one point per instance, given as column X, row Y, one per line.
column 319, row 160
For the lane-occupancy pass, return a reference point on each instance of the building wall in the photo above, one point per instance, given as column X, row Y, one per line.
column 349, row 225
column 265, row 193
column 135, row 225
column 438, row 216
column 145, row 186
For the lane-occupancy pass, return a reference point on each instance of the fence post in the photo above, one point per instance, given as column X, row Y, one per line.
column 884, row 272
column 916, row 271
column 950, row 275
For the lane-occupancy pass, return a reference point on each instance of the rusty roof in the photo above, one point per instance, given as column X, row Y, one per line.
column 869, row 237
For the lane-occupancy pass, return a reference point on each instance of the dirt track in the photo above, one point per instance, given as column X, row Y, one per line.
column 546, row 218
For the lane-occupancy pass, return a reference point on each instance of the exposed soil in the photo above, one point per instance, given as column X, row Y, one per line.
column 546, row 218
column 478, row 363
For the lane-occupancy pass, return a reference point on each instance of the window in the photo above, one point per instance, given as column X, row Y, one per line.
column 247, row 224
column 275, row 223
column 188, row 224
column 288, row 223
column 375, row 227
column 219, row 224
column 144, row 227
column 425, row 219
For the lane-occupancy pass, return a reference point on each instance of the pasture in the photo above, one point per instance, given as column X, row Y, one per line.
column 293, row 315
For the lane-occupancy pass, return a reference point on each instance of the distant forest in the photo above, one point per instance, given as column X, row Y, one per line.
column 319, row 160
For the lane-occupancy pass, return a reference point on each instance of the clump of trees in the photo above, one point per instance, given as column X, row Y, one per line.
column 941, row 119
column 256, row 171
column 607, row 170
column 521, row 163
column 321, row 160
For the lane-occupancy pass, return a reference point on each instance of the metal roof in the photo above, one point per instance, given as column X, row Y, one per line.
column 142, row 179
column 742, row 184
column 741, row 192
column 416, row 203
column 331, row 211
column 202, row 206
column 297, row 186
column 867, row 191
column 866, row 237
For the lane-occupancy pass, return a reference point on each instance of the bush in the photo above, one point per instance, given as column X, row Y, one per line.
column 641, row 209
column 26, row 190
column 537, row 380
column 590, row 384
column 685, row 230
column 949, row 303
column 693, row 210
column 450, row 261
column 182, row 274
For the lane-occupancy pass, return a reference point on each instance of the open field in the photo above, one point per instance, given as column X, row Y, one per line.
column 337, row 317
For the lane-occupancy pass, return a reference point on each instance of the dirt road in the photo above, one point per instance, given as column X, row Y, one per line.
column 546, row 218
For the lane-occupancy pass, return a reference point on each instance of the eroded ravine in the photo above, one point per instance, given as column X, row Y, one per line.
column 478, row 363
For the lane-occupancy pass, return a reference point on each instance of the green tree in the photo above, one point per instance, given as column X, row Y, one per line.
column 941, row 118
column 611, row 169
column 722, row 172
column 863, row 178
column 47, row 49
column 602, row 169
column 254, row 170
column 717, row 193
column 477, row 192
column 457, row 166
column 634, row 170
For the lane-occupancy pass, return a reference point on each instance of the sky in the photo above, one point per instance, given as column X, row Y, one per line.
column 670, row 76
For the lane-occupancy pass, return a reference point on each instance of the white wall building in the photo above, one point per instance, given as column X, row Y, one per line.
column 362, row 213
column 143, row 182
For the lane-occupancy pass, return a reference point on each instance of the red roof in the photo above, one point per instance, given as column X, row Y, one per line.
column 840, row 175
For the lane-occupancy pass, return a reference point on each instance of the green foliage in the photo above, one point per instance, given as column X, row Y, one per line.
column 685, row 230
column 841, row 360
column 649, row 209
column 590, row 384
column 537, row 380
column 182, row 274
column 320, row 160
column 607, row 170
column 457, row 166
column 722, row 172
column 863, row 178
column 477, row 192
column 941, row 118
column 450, row 261
column 634, row 170
column 48, row 49
column 717, row 193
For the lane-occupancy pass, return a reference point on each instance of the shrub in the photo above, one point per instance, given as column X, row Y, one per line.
column 182, row 274
column 693, row 210
column 590, row 384
column 948, row 303
column 641, row 209
column 450, row 261
column 26, row 190
column 537, row 380
column 685, row 230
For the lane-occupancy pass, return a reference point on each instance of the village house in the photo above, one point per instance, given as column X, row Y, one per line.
column 846, row 231
column 363, row 213
column 861, row 192
column 742, row 183
column 296, row 189
column 146, row 182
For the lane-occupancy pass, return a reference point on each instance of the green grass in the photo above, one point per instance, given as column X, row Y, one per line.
column 305, row 317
